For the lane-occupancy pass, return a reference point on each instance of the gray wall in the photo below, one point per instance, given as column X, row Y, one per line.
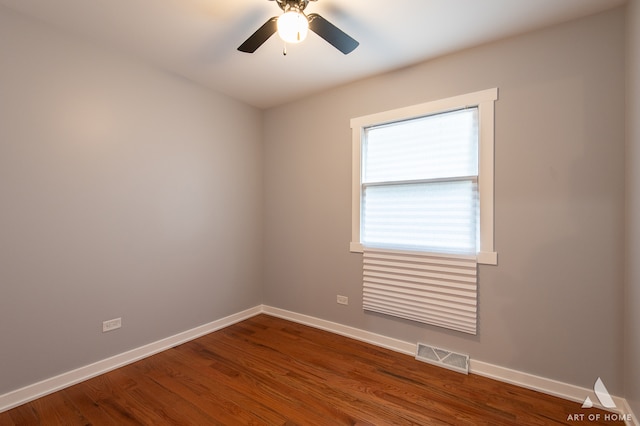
column 632, row 295
column 125, row 192
column 552, row 307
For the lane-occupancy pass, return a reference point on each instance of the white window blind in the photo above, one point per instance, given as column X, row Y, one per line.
column 437, row 290
column 420, row 184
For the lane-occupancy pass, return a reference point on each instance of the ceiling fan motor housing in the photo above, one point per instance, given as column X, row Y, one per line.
column 287, row 5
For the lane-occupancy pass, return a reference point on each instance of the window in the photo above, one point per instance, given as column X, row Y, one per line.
column 423, row 178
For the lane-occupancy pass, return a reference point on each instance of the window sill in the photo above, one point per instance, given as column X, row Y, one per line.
column 484, row 257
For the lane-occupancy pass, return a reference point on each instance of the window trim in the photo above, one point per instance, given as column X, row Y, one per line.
column 484, row 100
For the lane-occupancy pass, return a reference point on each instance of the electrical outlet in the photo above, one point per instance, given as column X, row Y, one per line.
column 342, row 300
column 111, row 324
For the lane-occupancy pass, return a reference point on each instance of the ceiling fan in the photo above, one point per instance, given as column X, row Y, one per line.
column 293, row 26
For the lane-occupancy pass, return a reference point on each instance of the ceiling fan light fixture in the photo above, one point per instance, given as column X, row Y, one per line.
column 293, row 26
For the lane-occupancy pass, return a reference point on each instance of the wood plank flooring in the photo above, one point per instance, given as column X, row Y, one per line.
column 267, row 371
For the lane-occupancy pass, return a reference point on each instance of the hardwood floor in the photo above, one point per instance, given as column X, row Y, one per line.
column 269, row 371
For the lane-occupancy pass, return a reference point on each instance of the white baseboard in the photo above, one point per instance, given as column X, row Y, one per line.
column 626, row 408
column 64, row 380
column 529, row 381
column 547, row 386
column 525, row 380
column 343, row 330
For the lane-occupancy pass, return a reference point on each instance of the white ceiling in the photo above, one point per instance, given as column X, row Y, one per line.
column 198, row 38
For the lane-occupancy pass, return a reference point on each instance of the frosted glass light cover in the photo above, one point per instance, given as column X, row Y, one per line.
column 293, row 26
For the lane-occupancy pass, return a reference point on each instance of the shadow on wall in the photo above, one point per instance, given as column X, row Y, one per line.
column 563, row 214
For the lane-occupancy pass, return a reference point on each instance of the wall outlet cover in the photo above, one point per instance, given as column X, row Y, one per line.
column 111, row 325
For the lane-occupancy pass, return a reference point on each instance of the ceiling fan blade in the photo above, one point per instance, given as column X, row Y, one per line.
column 332, row 34
column 263, row 33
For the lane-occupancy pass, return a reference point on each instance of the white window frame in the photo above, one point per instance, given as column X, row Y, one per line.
column 484, row 101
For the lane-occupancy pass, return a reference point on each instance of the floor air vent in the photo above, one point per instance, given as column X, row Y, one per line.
column 443, row 358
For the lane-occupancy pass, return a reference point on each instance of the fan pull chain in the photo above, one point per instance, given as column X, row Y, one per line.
column 284, row 50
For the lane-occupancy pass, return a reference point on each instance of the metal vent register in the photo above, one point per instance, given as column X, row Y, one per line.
column 443, row 358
